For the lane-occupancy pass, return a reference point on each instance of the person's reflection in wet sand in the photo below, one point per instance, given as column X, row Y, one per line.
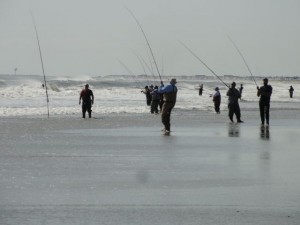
column 233, row 130
column 264, row 132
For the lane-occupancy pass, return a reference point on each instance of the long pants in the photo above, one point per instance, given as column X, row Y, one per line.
column 234, row 108
column 148, row 102
column 264, row 109
column 161, row 103
column 166, row 114
column 154, row 106
column 86, row 107
column 291, row 94
column 217, row 107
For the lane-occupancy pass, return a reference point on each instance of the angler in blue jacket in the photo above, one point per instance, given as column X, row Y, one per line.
column 169, row 93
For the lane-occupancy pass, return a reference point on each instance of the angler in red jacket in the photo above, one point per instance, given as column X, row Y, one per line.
column 87, row 97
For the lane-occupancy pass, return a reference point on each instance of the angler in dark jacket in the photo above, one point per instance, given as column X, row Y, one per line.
column 291, row 90
column 200, row 89
column 147, row 91
column 264, row 92
column 241, row 89
column 87, row 97
column 217, row 100
column 155, row 100
column 233, row 103
column 169, row 96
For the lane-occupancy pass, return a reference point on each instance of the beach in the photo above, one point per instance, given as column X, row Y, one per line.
column 120, row 169
column 82, row 84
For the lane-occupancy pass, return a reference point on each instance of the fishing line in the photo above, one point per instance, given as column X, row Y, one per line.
column 143, row 62
column 150, row 69
column 240, row 53
column 151, row 65
column 139, row 58
column 131, row 73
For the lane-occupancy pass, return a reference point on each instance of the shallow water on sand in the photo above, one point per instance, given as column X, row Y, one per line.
column 88, row 172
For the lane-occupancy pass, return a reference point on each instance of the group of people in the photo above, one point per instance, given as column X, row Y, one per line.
column 153, row 98
column 264, row 92
column 165, row 98
column 232, row 102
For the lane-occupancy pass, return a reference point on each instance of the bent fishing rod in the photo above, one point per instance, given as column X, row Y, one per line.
column 240, row 53
column 138, row 23
column 143, row 67
column 131, row 73
column 140, row 60
column 41, row 58
column 197, row 57
column 149, row 69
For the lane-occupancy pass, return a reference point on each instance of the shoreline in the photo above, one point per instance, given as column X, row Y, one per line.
column 179, row 117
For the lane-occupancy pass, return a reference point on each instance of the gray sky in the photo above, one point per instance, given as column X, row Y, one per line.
column 89, row 37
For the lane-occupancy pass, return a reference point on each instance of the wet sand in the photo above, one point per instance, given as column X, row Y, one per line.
column 120, row 169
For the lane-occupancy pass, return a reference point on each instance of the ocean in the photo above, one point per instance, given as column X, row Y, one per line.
column 23, row 95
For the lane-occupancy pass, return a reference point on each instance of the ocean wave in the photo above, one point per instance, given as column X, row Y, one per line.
column 24, row 94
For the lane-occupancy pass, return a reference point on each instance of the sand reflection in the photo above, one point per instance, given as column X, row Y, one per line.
column 233, row 130
column 264, row 133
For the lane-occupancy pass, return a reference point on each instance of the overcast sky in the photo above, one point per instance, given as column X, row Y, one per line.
column 90, row 37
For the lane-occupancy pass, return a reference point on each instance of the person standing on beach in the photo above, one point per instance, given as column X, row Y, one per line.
column 200, row 89
column 291, row 90
column 155, row 100
column 169, row 93
column 264, row 92
column 87, row 97
column 217, row 100
column 161, row 103
column 233, row 103
column 151, row 87
column 241, row 89
column 147, row 91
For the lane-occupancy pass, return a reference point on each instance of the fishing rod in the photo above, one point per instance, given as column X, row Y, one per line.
column 146, row 41
column 162, row 65
column 131, row 73
column 240, row 53
column 143, row 67
column 151, row 64
column 149, row 68
column 141, row 59
column 203, row 63
column 40, row 51
column 138, row 57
